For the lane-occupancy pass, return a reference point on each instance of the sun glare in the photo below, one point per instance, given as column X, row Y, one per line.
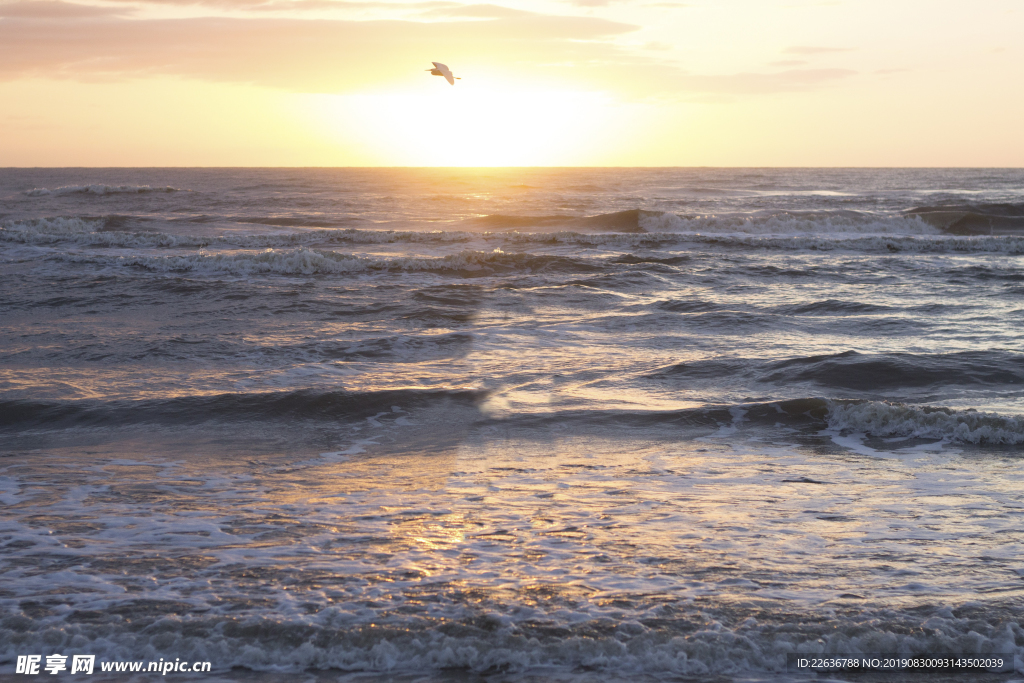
column 465, row 125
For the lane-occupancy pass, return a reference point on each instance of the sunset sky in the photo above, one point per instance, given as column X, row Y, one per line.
column 544, row 82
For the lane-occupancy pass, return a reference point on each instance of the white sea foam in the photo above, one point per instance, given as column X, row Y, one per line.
column 571, row 537
column 629, row 648
column 97, row 189
column 894, row 419
column 133, row 575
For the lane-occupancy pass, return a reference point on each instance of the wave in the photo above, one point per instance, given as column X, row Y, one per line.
column 633, row 260
column 289, row 222
column 97, row 189
column 877, row 243
column 104, row 232
column 304, row 261
column 49, row 229
column 832, row 307
column 870, row 374
column 874, row 418
column 620, row 221
column 17, row 415
column 809, row 415
column 580, row 643
column 881, row 372
column 787, row 223
column 990, row 209
column 973, row 219
column 883, row 419
column 770, row 222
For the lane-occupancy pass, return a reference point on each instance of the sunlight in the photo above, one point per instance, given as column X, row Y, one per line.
column 464, row 125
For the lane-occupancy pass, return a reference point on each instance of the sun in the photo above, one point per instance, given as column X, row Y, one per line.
column 468, row 124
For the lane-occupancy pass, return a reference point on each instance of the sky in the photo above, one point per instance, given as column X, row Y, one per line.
column 544, row 83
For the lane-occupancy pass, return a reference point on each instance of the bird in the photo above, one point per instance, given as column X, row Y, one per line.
column 442, row 70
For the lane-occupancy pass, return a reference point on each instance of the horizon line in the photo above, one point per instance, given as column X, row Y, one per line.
column 29, row 168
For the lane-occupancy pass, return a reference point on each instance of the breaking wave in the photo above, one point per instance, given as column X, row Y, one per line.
column 883, row 419
column 811, row 415
column 594, row 646
column 874, row 418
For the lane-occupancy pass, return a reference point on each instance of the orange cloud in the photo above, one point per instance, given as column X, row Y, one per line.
column 341, row 55
column 53, row 9
column 293, row 54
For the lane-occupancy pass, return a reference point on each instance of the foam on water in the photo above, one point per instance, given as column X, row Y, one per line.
column 617, row 557
column 958, row 426
column 603, row 424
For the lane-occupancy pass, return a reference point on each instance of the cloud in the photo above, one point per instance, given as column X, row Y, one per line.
column 477, row 12
column 791, row 80
column 812, row 50
column 330, row 56
column 295, row 5
column 293, row 54
column 753, row 83
column 53, row 9
column 312, row 5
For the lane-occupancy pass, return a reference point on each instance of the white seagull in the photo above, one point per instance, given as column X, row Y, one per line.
column 442, row 70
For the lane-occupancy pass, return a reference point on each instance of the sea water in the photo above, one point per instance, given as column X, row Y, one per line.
column 511, row 424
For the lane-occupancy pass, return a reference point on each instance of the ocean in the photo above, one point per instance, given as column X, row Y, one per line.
column 511, row 424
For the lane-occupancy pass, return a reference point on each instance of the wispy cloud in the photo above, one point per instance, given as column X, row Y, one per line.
column 752, row 83
column 54, row 9
column 814, row 50
column 590, row 3
column 342, row 55
column 291, row 5
column 294, row 54
column 477, row 12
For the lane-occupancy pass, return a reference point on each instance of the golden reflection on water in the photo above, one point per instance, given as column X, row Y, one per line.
column 562, row 516
column 433, row 536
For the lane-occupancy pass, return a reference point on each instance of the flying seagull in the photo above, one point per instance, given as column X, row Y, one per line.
column 442, row 70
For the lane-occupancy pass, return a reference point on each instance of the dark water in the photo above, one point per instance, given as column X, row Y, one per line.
column 513, row 424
